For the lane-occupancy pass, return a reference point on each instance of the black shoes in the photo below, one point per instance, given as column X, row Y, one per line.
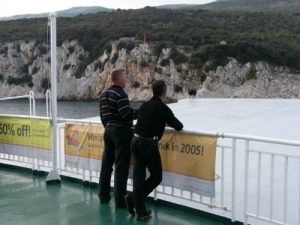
column 144, row 216
column 129, row 204
column 130, row 208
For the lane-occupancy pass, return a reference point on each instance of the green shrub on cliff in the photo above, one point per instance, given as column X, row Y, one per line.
column 250, row 36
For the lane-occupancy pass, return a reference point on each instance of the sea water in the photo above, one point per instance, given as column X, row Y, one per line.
column 65, row 109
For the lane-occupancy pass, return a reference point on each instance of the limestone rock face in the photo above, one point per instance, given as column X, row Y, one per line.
column 25, row 66
column 251, row 80
column 234, row 74
column 69, row 57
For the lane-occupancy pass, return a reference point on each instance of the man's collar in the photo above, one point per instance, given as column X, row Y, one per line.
column 116, row 85
column 156, row 98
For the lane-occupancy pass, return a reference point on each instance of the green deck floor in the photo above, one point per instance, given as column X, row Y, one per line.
column 25, row 199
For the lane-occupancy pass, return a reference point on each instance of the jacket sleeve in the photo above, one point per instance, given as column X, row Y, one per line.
column 126, row 112
column 100, row 110
column 171, row 120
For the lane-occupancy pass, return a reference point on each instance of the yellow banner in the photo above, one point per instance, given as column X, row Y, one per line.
column 85, row 141
column 26, row 132
column 185, row 154
column 189, row 155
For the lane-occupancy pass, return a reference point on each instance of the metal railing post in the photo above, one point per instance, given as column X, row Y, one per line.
column 285, row 190
column 32, row 103
column 48, row 103
column 258, row 183
column 233, row 179
column 246, row 182
column 222, row 175
column 53, row 174
column 271, row 186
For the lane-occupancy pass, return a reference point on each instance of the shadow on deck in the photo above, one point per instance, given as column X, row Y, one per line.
column 26, row 199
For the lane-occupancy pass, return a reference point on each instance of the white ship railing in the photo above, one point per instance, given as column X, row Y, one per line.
column 31, row 101
column 48, row 103
column 257, row 178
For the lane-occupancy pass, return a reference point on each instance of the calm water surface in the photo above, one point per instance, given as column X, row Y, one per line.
column 65, row 109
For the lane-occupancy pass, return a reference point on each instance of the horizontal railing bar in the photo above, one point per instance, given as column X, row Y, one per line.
column 242, row 137
column 275, row 154
column 262, row 139
column 192, row 200
column 205, row 133
column 15, row 97
column 25, row 116
column 224, row 146
column 265, row 219
column 64, row 120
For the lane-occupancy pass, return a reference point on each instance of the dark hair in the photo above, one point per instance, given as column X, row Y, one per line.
column 116, row 73
column 159, row 87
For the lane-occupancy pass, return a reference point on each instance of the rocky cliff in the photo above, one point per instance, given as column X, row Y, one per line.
column 25, row 66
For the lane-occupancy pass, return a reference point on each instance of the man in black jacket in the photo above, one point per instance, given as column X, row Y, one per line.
column 152, row 119
column 116, row 116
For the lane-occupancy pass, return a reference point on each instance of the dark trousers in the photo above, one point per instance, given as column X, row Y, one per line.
column 116, row 151
column 146, row 155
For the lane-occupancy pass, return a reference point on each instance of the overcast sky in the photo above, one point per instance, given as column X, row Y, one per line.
column 17, row 7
